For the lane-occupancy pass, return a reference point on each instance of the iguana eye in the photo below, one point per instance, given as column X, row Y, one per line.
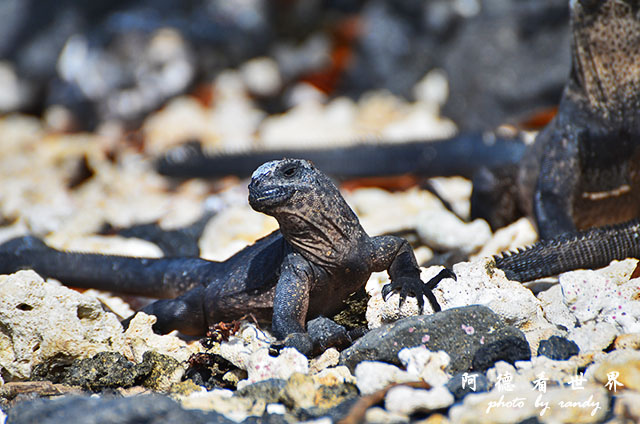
column 289, row 171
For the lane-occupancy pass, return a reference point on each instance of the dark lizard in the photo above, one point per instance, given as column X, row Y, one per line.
column 583, row 170
column 318, row 257
column 460, row 155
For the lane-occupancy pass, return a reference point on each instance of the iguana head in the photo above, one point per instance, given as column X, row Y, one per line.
column 606, row 54
column 313, row 215
column 290, row 185
column 281, row 184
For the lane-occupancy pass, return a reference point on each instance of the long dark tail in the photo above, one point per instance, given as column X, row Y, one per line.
column 158, row 278
column 461, row 155
column 592, row 248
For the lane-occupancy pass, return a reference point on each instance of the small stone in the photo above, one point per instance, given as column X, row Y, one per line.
column 15, row 91
column 334, row 376
column 320, row 124
column 353, row 316
column 509, row 349
column 373, row 376
column 242, row 345
column 164, row 371
column 299, row 392
column 269, row 390
column 627, row 341
column 502, row 371
column 329, row 358
column 140, row 336
column 262, row 366
column 384, row 311
column 460, row 332
column 462, row 384
column 211, row 370
column 627, row 405
column 407, row 400
column 457, row 191
column 559, row 372
column 106, row 245
column 184, row 118
column 305, row 396
column 223, row 402
column 433, row 87
column 185, row 388
column 233, row 377
column 377, row 415
column 558, row 348
column 105, row 370
column 276, row 408
column 334, row 401
column 622, row 366
column 426, row 365
column 407, row 206
column 232, row 229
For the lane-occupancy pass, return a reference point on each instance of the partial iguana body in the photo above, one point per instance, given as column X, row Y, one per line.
column 583, row 170
column 318, row 257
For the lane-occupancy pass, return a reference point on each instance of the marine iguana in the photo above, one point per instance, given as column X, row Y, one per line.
column 318, row 257
column 583, row 169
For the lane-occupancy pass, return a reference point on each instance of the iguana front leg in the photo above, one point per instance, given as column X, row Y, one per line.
column 395, row 255
column 291, row 303
column 555, row 190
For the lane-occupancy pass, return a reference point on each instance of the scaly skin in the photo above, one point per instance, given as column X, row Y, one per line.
column 592, row 248
column 320, row 255
column 583, row 170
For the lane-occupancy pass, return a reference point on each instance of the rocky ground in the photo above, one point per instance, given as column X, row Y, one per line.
column 560, row 350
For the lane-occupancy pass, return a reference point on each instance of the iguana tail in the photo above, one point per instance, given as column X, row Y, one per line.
column 593, row 248
column 157, row 278
column 461, row 155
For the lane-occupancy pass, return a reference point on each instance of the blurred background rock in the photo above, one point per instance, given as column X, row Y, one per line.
column 82, row 64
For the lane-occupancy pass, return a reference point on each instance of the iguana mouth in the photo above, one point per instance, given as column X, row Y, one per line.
column 272, row 194
column 269, row 197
